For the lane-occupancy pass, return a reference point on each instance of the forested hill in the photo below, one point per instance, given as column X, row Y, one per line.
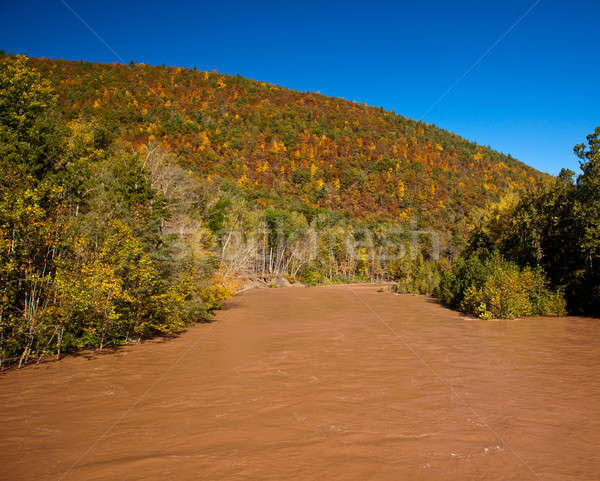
column 134, row 199
column 283, row 147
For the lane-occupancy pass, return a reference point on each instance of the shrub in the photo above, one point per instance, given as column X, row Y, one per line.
column 493, row 287
column 416, row 276
column 422, row 281
column 310, row 276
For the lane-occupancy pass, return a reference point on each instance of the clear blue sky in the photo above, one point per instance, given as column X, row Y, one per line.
column 534, row 96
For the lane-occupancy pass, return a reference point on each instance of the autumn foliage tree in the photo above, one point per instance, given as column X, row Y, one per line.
column 84, row 257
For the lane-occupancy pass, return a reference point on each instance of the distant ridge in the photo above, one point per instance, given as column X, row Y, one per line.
column 282, row 146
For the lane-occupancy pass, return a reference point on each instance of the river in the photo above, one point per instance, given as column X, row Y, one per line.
column 336, row 383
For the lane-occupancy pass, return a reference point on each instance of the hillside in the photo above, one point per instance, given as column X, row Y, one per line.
column 134, row 199
column 283, row 146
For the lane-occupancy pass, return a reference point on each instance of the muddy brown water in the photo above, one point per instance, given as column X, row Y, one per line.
column 336, row 383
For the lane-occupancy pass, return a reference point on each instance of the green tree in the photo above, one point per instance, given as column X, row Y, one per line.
column 30, row 198
column 587, row 212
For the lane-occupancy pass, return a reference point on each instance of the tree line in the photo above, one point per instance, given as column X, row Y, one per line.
column 545, row 243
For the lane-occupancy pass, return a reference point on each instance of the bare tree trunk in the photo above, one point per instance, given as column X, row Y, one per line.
column 59, row 342
column 26, row 351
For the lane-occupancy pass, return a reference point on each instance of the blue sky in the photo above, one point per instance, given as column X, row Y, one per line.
column 534, row 96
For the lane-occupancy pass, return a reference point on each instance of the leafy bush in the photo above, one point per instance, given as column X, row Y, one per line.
column 311, row 276
column 493, row 287
column 416, row 276
column 455, row 281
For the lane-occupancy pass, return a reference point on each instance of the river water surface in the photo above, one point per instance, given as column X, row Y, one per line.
column 335, row 383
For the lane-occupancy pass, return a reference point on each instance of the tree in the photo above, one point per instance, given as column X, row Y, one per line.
column 587, row 210
column 30, row 198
